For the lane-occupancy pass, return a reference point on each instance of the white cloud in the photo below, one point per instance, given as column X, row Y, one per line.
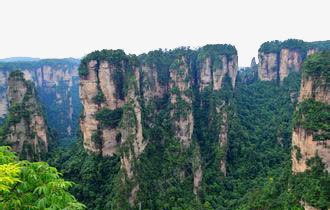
column 73, row 28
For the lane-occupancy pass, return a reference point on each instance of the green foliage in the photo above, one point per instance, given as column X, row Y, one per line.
column 119, row 80
column 9, row 171
column 276, row 46
column 315, row 117
column 270, row 47
column 312, row 186
column 318, row 66
column 109, row 117
column 118, row 58
column 294, row 44
column 99, row 97
column 260, row 145
column 22, row 111
column 320, row 45
column 213, row 50
column 95, row 176
column 258, row 151
column 26, row 185
column 16, row 75
column 159, row 59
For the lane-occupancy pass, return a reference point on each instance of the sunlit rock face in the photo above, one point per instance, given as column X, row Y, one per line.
column 278, row 59
column 25, row 128
column 268, row 66
column 315, row 87
column 122, row 95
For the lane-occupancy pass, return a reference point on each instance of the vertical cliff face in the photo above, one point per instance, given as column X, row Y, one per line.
column 215, row 67
column 181, row 100
column 24, row 128
column 88, row 90
column 311, row 135
column 277, row 66
column 290, row 61
column 152, row 88
column 268, row 66
column 57, row 84
column 218, row 67
column 278, row 59
column 112, row 120
column 131, row 102
column 3, row 95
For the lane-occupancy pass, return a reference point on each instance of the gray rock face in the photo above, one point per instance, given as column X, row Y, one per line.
column 25, row 128
column 57, row 85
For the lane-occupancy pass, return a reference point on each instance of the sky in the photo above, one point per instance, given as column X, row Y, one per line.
column 73, row 28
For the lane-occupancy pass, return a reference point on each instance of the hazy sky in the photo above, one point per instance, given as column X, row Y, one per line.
column 73, row 28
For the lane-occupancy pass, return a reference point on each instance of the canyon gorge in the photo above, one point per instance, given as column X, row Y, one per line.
column 178, row 129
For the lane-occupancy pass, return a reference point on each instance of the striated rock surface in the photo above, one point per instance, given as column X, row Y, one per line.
column 290, row 61
column 181, row 101
column 268, row 66
column 315, row 90
column 112, row 118
column 88, row 123
column 130, row 102
column 152, row 88
column 278, row 59
column 24, row 129
column 57, row 85
column 214, row 69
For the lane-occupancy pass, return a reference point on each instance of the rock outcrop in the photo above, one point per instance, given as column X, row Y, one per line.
column 181, row 100
column 278, row 59
column 215, row 66
column 112, row 120
column 57, row 85
column 310, row 137
column 268, row 66
column 123, row 95
column 24, row 129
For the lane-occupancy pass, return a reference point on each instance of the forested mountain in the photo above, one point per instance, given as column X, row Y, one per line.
column 57, row 85
column 187, row 129
column 24, row 128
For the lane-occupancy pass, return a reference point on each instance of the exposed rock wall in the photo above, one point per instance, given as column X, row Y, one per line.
column 317, row 89
column 88, row 123
column 181, row 101
column 152, row 88
column 213, row 71
column 290, row 61
column 268, row 66
column 159, row 82
column 57, row 84
column 305, row 145
column 25, row 128
column 277, row 59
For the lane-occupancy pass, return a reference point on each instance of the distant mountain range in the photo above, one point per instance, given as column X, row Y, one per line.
column 19, row 59
column 29, row 59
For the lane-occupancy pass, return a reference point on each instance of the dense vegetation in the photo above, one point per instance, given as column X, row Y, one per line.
column 293, row 44
column 109, row 117
column 26, row 185
column 260, row 122
column 318, row 66
column 315, row 117
column 95, row 176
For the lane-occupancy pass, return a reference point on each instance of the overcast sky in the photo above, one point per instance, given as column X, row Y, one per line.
column 73, row 28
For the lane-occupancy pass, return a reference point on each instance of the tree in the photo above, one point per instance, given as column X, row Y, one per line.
column 26, row 185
